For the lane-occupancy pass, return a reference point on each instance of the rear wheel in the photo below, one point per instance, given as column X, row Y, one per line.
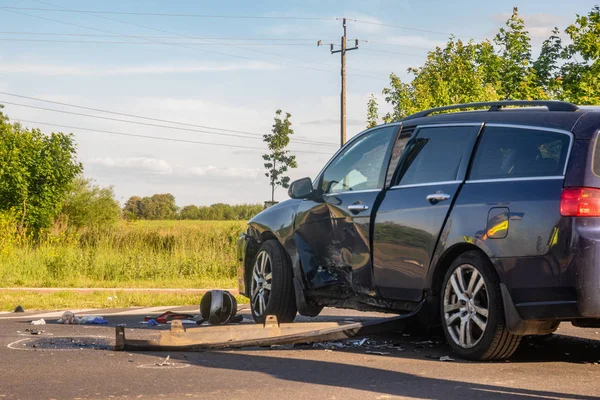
column 272, row 286
column 472, row 310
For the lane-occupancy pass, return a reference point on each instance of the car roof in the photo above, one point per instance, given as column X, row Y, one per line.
column 583, row 121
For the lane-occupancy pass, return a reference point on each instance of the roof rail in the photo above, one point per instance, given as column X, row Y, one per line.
column 552, row 105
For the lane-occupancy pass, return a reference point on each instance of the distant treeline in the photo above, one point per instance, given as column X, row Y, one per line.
column 163, row 206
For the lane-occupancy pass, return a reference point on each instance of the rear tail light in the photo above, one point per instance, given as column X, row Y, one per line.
column 580, row 202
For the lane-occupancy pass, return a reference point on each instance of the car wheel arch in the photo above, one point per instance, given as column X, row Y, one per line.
column 446, row 259
column 252, row 250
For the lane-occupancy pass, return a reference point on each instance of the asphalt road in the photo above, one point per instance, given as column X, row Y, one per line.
column 76, row 362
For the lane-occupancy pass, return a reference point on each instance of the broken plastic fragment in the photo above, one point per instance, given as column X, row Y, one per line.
column 446, row 358
column 165, row 362
column 68, row 318
column 92, row 320
column 39, row 322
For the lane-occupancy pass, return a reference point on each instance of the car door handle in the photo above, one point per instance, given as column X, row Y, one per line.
column 356, row 208
column 437, row 197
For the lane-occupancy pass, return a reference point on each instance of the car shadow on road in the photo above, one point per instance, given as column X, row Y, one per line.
column 364, row 377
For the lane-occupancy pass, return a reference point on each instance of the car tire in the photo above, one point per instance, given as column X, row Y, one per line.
column 272, row 285
column 472, row 312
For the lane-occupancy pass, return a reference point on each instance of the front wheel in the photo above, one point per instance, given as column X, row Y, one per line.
column 472, row 311
column 272, row 285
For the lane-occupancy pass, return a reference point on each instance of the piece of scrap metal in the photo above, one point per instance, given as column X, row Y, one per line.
column 270, row 333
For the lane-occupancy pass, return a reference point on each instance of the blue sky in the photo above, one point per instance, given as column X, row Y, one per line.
column 174, row 73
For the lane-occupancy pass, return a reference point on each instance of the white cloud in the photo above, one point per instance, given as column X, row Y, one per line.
column 162, row 167
column 331, row 121
column 415, row 41
column 147, row 164
column 368, row 24
column 540, row 33
column 225, row 172
column 116, row 70
column 539, row 25
column 539, row 19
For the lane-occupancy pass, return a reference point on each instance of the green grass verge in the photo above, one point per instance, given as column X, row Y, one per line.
column 174, row 254
column 65, row 300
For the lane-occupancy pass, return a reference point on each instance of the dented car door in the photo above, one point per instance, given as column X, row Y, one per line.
column 333, row 229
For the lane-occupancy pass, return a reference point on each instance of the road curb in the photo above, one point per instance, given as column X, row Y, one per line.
column 91, row 290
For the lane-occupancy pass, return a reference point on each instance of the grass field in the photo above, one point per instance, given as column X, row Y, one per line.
column 64, row 300
column 162, row 254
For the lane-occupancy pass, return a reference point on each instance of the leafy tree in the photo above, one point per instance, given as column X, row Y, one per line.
column 159, row 206
column 90, row 205
column 546, row 65
column 489, row 64
column 372, row 112
column 450, row 75
column 279, row 160
column 36, row 172
column 581, row 72
column 145, row 208
column 518, row 78
column 400, row 96
column 133, row 208
column 189, row 212
column 504, row 69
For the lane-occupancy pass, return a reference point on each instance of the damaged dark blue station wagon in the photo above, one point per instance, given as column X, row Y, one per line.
column 485, row 222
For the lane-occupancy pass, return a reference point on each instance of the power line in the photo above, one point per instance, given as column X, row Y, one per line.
column 147, row 118
column 388, row 44
column 171, row 14
column 402, row 27
column 240, row 45
column 154, row 37
column 156, row 137
column 146, row 43
column 182, row 45
column 147, row 124
column 393, row 52
column 224, row 44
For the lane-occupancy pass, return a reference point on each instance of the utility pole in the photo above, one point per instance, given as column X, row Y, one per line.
column 342, row 52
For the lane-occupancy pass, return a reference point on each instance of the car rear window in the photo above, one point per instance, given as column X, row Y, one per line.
column 436, row 154
column 513, row 152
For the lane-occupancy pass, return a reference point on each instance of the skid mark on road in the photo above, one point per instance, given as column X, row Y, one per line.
column 171, row 366
column 100, row 311
column 24, row 344
column 11, row 345
column 140, row 311
column 51, row 314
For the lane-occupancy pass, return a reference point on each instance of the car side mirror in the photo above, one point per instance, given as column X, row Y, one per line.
column 301, row 189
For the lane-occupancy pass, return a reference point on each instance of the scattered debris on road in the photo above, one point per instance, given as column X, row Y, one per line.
column 165, row 362
column 40, row 321
column 69, row 318
column 92, row 320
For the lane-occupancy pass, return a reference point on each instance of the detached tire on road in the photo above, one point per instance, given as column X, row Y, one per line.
column 272, row 285
column 472, row 313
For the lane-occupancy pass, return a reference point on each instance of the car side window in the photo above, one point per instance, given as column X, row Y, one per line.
column 435, row 155
column 361, row 165
column 512, row 152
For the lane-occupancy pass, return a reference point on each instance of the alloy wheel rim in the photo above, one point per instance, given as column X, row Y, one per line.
column 466, row 306
column 262, row 276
